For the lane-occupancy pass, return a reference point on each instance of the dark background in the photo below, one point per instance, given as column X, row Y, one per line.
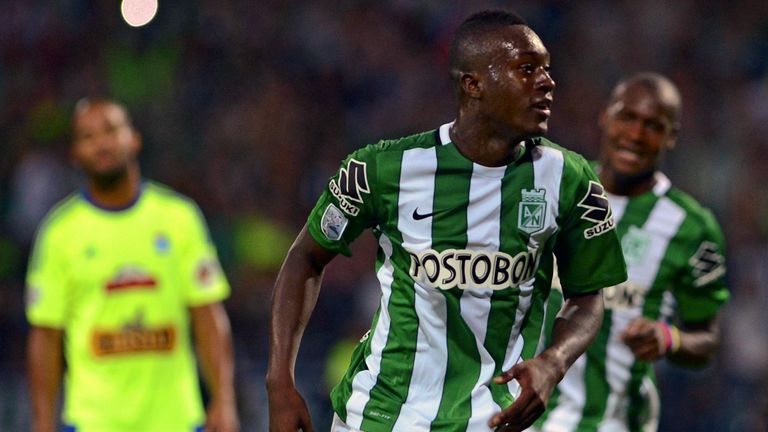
column 248, row 107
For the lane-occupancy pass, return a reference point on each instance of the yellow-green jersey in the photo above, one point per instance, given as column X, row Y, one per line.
column 120, row 283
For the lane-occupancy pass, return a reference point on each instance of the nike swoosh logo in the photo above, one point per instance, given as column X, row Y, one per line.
column 419, row 216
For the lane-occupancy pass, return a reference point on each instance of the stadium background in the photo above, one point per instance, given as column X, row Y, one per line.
column 248, row 107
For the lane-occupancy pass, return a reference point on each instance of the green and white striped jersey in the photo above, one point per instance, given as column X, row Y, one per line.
column 673, row 248
column 465, row 266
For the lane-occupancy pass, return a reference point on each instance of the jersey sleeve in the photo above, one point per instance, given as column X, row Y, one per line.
column 203, row 279
column 702, row 290
column 588, row 251
column 346, row 206
column 46, row 282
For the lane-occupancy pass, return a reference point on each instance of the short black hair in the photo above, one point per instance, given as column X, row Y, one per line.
column 465, row 41
column 660, row 86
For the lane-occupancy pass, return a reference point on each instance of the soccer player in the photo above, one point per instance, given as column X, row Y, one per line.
column 673, row 248
column 467, row 218
column 122, row 273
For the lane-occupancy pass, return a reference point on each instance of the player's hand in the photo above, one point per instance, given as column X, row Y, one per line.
column 645, row 338
column 288, row 411
column 222, row 417
column 537, row 378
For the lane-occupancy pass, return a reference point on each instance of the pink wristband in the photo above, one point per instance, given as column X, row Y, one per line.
column 667, row 336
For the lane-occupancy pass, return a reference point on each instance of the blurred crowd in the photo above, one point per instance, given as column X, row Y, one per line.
column 248, row 107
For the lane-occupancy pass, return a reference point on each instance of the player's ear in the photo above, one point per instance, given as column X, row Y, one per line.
column 672, row 138
column 602, row 119
column 137, row 142
column 471, row 85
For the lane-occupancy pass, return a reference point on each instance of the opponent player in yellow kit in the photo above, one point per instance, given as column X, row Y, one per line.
column 122, row 274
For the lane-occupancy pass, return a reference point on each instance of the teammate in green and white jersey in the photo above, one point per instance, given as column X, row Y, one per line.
column 121, row 274
column 467, row 218
column 673, row 248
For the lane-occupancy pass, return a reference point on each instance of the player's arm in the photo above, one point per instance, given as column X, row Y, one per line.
column 213, row 341
column 293, row 300
column 691, row 344
column 575, row 327
column 45, row 368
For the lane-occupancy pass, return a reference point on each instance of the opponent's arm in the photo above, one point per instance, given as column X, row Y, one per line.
column 213, row 340
column 293, row 300
column 45, row 368
column 575, row 327
column 693, row 344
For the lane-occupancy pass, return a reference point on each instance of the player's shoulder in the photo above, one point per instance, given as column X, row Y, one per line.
column 172, row 203
column 695, row 211
column 398, row 145
column 167, row 196
column 571, row 159
column 63, row 213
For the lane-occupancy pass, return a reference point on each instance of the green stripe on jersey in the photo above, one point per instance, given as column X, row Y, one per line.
column 449, row 231
column 457, row 264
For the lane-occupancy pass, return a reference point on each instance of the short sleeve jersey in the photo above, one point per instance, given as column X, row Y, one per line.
column 674, row 251
column 465, row 267
column 119, row 284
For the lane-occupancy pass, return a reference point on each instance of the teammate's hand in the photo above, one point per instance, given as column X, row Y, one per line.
column 222, row 417
column 537, row 379
column 288, row 411
column 645, row 338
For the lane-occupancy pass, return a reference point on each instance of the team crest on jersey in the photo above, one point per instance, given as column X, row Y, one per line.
column 162, row 244
column 707, row 264
column 635, row 244
column 333, row 223
column 597, row 210
column 352, row 184
column 532, row 210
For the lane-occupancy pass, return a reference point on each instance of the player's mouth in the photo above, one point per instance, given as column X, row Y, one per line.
column 543, row 106
column 628, row 154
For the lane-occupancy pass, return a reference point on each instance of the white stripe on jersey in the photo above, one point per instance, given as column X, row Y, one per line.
column 483, row 233
column 663, row 222
column 547, row 173
column 618, row 206
column 366, row 379
column 431, row 357
column 566, row 416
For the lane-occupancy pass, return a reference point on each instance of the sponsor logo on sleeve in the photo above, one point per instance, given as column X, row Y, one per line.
column 532, row 210
column 333, row 223
column 207, row 272
column 351, row 185
column 707, row 264
column 597, row 210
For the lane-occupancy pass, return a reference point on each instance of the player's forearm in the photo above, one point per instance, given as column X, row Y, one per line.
column 575, row 327
column 213, row 339
column 293, row 300
column 698, row 343
column 44, row 366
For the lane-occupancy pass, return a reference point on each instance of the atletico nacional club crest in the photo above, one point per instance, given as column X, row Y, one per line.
column 532, row 210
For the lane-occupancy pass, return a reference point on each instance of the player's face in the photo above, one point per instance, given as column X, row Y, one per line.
column 637, row 128
column 104, row 142
column 518, row 90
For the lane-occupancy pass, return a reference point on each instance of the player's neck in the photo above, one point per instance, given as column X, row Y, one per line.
column 482, row 146
column 116, row 194
column 619, row 184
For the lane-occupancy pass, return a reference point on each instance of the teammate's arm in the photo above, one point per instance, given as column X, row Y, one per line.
column 45, row 368
column 293, row 300
column 575, row 327
column 693, row 344
column 213, row 341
